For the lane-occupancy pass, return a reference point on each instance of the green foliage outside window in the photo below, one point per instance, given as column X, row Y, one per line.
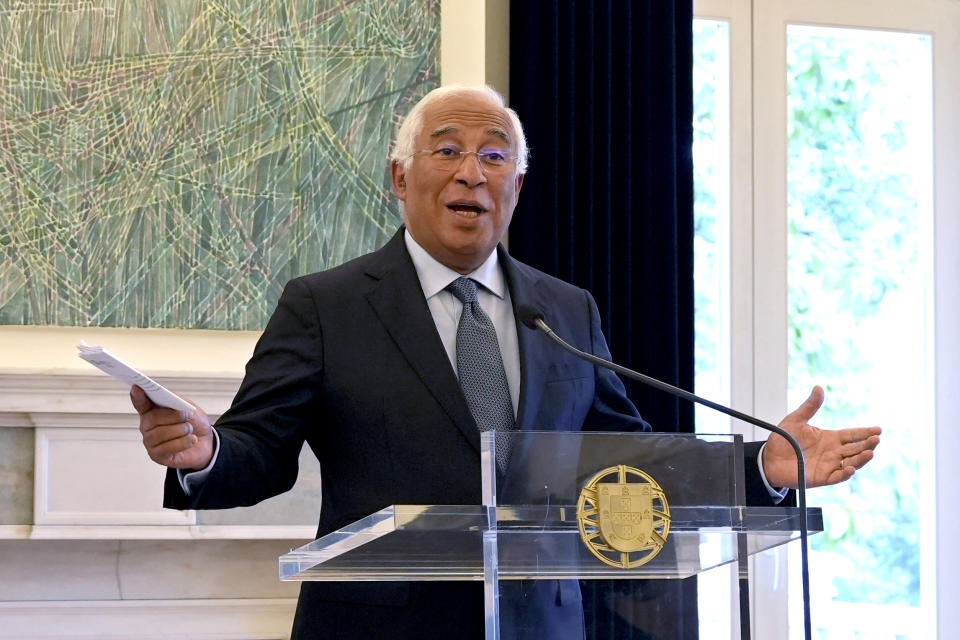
column 709, row 37
column 855, row 175
column 853, row 213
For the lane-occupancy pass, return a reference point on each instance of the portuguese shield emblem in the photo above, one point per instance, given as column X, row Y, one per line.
column 623, row 516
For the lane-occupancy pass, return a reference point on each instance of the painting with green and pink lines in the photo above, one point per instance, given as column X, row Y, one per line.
column 172, row 163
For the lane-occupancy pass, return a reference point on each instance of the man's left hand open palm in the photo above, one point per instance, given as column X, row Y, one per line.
column 831, row 456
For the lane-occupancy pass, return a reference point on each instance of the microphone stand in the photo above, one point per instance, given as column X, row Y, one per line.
column 533, row 319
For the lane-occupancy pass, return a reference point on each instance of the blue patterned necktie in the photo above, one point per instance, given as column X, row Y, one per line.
column 480, row 366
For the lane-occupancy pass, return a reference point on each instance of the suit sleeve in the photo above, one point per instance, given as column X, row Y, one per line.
column 263, row 431
column 611, row 410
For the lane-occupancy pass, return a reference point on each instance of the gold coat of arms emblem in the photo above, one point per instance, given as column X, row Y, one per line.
column 623, row 516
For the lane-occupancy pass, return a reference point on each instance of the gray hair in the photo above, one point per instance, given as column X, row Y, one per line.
column 405, row 144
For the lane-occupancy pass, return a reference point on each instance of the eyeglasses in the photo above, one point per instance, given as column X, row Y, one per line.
column 450, row 158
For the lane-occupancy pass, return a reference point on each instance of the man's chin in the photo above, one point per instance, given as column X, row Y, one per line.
column 466, row 258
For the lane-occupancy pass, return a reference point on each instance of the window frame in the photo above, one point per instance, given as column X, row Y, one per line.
column 758, row 254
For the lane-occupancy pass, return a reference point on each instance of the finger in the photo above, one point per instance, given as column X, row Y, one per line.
column 859, row 434
column 857, row 461
column 166, row 433
column 853, row 448
column 165, row 452
column 199, row 420
column 842, row 475
column 161, row 416
column 836, row 475
column 140, row 401
column 810, row 406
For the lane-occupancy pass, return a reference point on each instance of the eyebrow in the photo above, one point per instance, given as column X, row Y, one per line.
column 493, row 132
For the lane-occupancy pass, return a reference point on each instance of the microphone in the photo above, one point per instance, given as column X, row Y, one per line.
column 532, row 318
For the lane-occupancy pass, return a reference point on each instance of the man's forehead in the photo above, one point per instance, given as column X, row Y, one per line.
column 494, row 131
column 459, row 116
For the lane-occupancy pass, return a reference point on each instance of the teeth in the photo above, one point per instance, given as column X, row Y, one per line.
column 465, row 211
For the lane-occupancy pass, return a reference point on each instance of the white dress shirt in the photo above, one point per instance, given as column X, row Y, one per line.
column 494, row 299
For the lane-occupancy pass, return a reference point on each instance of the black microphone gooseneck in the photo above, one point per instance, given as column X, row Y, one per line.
column 532, row 318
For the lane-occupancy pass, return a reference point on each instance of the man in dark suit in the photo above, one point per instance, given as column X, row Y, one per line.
column 363, row 363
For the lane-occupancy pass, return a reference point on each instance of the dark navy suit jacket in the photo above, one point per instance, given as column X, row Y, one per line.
column 351, row 363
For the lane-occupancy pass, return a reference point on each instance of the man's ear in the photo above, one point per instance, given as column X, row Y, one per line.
column 520, row 181
column 398, row 176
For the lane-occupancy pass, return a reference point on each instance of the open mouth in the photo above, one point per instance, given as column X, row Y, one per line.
column 466, row 209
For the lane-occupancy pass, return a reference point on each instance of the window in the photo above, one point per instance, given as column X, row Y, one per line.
column 859, row 212
column 839, row 164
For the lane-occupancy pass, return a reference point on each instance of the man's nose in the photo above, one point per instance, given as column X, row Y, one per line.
column 469, row 171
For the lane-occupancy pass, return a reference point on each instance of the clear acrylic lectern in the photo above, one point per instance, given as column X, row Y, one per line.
column 567, row 507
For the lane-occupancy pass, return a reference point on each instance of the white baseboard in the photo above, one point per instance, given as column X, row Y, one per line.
column 247, row 619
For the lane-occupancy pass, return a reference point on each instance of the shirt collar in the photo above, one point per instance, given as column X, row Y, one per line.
column 434, row 276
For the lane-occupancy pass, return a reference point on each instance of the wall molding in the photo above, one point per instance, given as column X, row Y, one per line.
column 91, row 478
column 98, row 477
column 94, row 399
column 253, row 618
column 158, row 532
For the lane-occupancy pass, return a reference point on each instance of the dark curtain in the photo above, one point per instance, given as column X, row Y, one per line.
column 604, row 90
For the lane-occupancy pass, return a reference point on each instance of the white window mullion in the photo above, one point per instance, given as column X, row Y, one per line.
column 770, row 578
column 945, row 343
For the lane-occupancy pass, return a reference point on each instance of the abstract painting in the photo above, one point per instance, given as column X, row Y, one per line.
column 172, row 163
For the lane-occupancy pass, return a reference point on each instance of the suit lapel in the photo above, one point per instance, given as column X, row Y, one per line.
column 525, row 289
column 397, row 299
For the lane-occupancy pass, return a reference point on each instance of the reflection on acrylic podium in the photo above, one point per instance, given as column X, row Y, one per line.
column 624, row 510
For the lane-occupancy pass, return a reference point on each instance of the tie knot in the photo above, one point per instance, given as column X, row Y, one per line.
column 464, row 288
